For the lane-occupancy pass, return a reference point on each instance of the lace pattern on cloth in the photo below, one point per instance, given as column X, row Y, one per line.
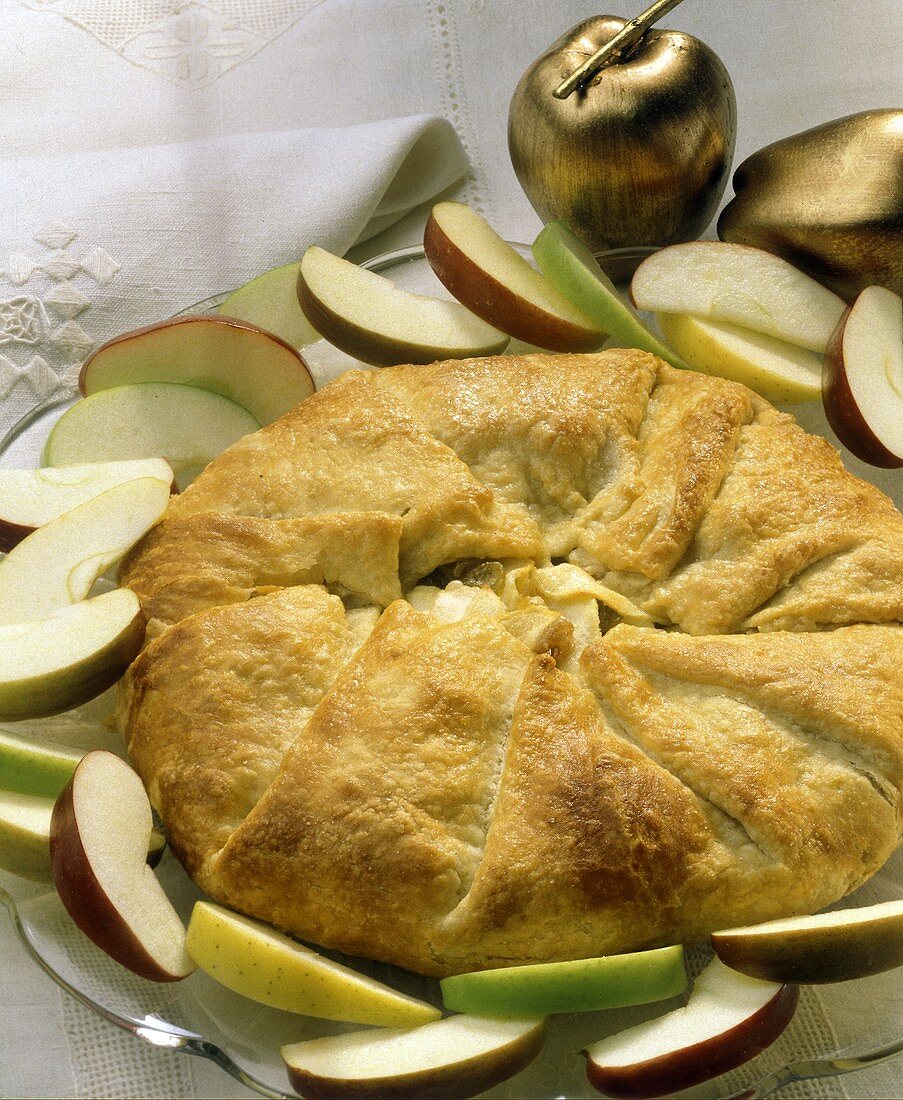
column 191, row 44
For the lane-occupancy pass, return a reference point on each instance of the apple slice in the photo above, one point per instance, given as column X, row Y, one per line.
column 262, row 964
column 741, row 285
column 826, row 947
column 34, row 768
column 728, row 1019
column 271, row 302
column 253, row 368
column 485, row 273
column 369, row 317
column 99, row 837
column 58, row 564
column 452, row 1058
column 863, row 378
column 570, row 265
column 780, row 372
column 25, row 835
column 31, row 498
column 69, row 656
column 581, row 985
column 187, row 425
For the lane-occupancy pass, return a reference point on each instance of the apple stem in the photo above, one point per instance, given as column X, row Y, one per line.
column 629, row 35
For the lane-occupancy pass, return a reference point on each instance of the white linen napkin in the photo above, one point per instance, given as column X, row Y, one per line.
column 97, row 243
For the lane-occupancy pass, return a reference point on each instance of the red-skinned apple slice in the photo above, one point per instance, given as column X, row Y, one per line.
column 448, row 1060
column 741, row 285
column 728, row 1019
column 367, row 316
column 862, row 380
column 253, row 368
column 99, row 837
column 494, row 281
column 31, row 498
column 826, row 947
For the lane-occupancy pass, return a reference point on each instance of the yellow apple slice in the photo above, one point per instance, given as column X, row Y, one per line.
column 271, row 302
column 253, row 368
column 728, row 1019
column 459, row 1056
column 780, row 372
column 31, row 498
column 31, row 767
column 581, row 985
column 369, row 317
column 863, row 378
column 491, row 278
column 187, row 425
column 264, row 965
column 741, row 285
column 826, row 947
column 99, row 837
column 69, row 656
column 25, row 834
column 58, row 564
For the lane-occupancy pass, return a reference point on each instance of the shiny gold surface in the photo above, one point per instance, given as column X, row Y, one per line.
column 829, row 200
column 639, row 155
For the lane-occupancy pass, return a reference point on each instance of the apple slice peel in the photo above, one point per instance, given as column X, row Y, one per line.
column 25, row 835
column 729, row 1019
column 99, row 837
column 450, row 1059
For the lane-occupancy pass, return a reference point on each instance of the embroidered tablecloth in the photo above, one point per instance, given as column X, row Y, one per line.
column 156, row 152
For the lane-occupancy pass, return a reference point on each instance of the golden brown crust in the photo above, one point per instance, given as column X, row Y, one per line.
column 509, row 776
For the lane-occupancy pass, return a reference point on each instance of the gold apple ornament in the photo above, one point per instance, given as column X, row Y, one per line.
column 625, row 133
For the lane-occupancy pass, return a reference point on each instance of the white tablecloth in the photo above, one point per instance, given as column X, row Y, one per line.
column 158, row 151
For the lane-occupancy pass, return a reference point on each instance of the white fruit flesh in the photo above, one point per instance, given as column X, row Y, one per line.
column 260, row 963
column 779, row 371
column 369, row 317
column 496, row 282
column 271, row 301
column 24, row 834
column 31, row 498
column 744, row 286
column 186, row 425
column 100, row 834
column 476, row 1049
column 58, row 563
column 69, row 656
column 251, row 367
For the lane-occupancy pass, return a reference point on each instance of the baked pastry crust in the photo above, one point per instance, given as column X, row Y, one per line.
column 686, row 713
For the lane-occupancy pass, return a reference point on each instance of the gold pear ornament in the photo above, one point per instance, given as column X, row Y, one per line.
column 829, row 200
column 633, row 153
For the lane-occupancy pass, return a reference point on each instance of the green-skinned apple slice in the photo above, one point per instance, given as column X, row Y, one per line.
column 31, row 767
column 253, row 368
column 572, row 267
column 25, row 835
column 741, row 285
column 728, row 1019
column 779, row 371
column 69, row 656
column 450, row 1059
column 99, row 837
column 258, row 962
column 271, row 302
column 367, row 316
column 186, row 425
column 581, row 985
column 863, row 378
column 58, row 564
column 494, row 281
column 31, row 498
column 826, row 947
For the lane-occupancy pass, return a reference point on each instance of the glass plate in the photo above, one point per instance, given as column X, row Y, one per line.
column 199, row 1017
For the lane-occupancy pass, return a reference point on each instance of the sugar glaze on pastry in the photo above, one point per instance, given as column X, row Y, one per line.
column 523, row 658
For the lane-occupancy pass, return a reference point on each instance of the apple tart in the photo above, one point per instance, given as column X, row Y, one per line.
column 523, row 658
